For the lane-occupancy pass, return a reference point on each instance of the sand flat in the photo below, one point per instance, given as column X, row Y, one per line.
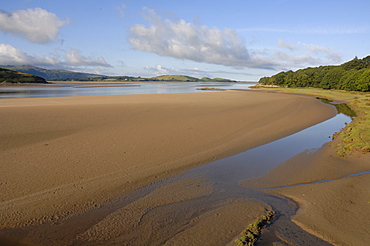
column 336, row 211
column 62, row 156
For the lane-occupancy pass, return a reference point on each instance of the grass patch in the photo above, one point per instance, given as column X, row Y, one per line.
column 210, row 89
column 355, row 136
column 341, row 107
column 250, row 235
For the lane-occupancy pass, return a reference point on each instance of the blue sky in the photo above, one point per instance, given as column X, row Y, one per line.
column 236, row 39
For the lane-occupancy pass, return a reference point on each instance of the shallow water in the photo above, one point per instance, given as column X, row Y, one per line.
column 99, row 89
column 258, row 161
column 321, row 181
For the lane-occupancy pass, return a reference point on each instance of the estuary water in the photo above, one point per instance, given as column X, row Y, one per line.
column 100, row 89
column 256, row 162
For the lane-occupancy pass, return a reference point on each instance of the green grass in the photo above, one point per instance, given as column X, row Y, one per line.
column 210, row 89
column 250, row 235
column 341, row 107
column 355, row 136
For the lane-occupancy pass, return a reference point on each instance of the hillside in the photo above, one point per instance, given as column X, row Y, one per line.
column 351, row 76
column 173, row 78
column 187, row 79
column 50, row 74
column 9, row 76
column 65, row 75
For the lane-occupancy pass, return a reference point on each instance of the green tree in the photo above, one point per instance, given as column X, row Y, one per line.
column 332, row 78
column 349, row 82
column 363, row 80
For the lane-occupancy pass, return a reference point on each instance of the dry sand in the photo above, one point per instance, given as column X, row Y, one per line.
column 61, row 157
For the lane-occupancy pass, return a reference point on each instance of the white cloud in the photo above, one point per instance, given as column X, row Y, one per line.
column 285, row 45
column 159, row 70
column 190, row 41
column 194, row 72
column 303, row 54
column 13, row 56
column 184, row 40
column 121, row 10
column 314, row 48
column 37, row 25
column 10, row 55
column 162, row 70
column 74, row 58
column 327, row 52
column 314, row 31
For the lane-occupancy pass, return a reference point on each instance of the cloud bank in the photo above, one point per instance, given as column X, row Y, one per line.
column 37, row 25
column 194, row 72
column 184, row 40
column 302, row 54
column 10, row 55
column 199, row 43
column 74, row 58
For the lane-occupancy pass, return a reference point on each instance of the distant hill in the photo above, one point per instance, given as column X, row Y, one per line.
column 351, row 76
column 50, row 74
column 164, row 78
column 65, row 75
column 173, row 78
column 187, row 79
column 10, row 76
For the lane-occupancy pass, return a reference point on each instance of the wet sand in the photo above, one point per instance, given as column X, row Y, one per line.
column 332, row 206
column 64, row 157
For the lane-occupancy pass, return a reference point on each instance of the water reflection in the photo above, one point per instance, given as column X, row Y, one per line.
column 98, row 89
column 258, row 161
column 341, row 107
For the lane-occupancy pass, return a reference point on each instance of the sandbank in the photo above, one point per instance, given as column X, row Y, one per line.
column 62, row 157
column 337, row 210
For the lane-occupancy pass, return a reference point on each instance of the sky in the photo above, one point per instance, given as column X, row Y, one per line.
column 236, row 39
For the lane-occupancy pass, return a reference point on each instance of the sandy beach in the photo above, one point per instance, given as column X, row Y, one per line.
column 65, row 157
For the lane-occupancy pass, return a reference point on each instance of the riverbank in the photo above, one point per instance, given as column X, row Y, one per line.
column 65, row 156
column 335, row 211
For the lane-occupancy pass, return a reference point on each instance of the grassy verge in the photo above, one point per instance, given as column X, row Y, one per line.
column 356, row 135
column 251, row 234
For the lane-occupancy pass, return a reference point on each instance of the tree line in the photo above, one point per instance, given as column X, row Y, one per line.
column 351, row 76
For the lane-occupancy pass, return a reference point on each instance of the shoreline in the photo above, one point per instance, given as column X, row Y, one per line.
column 61, row 166
column 334, row 211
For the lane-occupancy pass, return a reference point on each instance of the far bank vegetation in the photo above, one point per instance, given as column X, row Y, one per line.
column 350, row 76
column 9, row 76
